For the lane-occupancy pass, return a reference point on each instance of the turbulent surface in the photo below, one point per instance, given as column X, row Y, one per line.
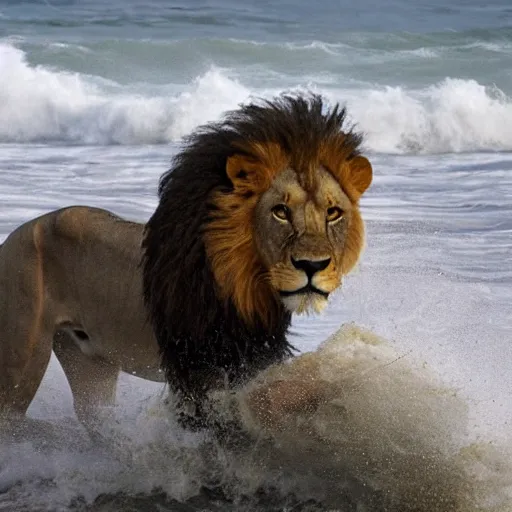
column 94, row 99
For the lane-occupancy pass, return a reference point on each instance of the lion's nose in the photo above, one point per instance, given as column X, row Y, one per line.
column 311, row 267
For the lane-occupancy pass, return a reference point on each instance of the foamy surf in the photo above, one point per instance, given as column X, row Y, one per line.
column 46, row 105
column 41, row 104
column 377, row 433
column 381, row 434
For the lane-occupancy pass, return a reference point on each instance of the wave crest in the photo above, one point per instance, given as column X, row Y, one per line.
column 42, row 105
column 39, row 104
column 452, row 116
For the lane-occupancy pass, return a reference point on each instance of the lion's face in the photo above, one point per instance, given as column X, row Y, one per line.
column 300, row 234
column 288, row 230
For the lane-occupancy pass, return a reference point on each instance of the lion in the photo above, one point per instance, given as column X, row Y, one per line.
column 258, row 218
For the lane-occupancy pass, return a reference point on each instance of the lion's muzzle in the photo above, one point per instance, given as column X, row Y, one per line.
column 312, row 289
column 310, row 268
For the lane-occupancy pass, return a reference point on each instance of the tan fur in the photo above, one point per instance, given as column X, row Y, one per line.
column 73, row 270
column 232, row 254
column 38, row 305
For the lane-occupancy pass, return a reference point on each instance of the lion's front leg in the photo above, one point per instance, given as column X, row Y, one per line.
column 26, row 328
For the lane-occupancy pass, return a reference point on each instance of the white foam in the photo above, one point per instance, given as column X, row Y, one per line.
column 452, row 116
column 210, row 96
column 383, row 430
column 39, row 104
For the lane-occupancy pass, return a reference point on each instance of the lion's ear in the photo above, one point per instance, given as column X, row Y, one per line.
column 360, row 170
column 245, row 173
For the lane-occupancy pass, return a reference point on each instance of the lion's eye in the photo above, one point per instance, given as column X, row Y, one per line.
column 281, row 212
column 334, row 213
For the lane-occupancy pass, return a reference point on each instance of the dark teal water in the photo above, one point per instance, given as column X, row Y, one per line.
column 286, row 20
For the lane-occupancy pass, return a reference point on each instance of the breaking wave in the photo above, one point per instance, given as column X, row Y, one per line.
column 39, row 104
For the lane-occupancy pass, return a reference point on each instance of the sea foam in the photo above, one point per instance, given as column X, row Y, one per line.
column 378, row 432
column 39, row 104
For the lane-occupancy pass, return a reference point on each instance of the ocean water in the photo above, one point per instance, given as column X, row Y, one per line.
column 94, row 99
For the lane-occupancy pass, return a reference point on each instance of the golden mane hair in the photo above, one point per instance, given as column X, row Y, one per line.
column 215, row 316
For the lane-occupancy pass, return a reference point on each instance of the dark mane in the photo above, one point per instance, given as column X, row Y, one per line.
column 203, row 339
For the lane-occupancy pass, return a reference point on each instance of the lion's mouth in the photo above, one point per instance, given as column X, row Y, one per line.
column 309, row 288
